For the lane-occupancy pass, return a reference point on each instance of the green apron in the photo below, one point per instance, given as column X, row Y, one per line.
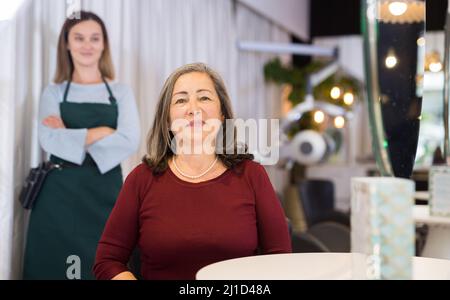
column 72, row 208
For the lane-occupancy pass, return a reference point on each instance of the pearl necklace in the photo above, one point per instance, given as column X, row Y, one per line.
column 193, row 176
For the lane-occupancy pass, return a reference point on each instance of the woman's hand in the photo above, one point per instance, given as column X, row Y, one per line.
column 98, row 133
column 54, row 122
column 124, row 276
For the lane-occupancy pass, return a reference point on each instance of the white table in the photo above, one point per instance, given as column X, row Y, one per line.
column 298, row 266
column 437, row 244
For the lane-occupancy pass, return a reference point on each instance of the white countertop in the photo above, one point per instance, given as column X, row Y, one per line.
column 298, row 266
column 421, row 214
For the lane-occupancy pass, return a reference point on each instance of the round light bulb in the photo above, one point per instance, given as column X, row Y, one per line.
column 349, row 98
column 319, row 117
column 421, row 41
column 391, row 61
column 398, row 8
column 339, row 122
column 335, row 93
column 435, row 67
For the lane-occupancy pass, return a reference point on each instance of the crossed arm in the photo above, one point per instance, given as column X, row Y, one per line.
column 93, row 134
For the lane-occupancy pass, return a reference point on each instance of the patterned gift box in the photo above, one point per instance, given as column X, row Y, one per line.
column 383, row 227
column 439, row 186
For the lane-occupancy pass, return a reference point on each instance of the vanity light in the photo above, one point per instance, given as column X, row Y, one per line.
column 319, row 117
column 349, row 98
column 421, row 41
column 335, row 93
column 435, row 67
column 398, row 8
column 401, row 11
column 433, row 62
column 391, row 60
column 339, row 122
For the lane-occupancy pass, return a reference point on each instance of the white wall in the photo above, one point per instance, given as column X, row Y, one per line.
column 351, row 55
column 293, row 15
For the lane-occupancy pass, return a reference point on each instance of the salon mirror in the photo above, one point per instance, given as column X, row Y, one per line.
column 394, row 55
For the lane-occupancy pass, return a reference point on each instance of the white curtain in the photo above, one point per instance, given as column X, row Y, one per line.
column 6, row 149
column 149, row 39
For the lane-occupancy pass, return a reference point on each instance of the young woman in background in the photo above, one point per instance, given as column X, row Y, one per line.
column 89, row 126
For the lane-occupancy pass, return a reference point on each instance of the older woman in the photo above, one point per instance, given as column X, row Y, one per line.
column 191, row 203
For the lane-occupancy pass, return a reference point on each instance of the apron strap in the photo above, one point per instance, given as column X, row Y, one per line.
column 66, row 92
column 112, row 99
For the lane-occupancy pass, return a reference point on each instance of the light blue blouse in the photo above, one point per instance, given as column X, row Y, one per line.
column 69, row 144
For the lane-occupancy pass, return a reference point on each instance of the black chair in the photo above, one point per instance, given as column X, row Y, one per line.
column 306, row 243
column 421, row 238
column 322, row 237
column 317, row 199
column 336, row 237
column 288, row 221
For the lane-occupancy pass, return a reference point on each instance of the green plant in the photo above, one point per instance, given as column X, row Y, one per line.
column 297, row 79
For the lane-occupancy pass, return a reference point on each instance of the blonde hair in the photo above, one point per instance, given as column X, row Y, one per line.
column 160, row 136
column 65, row 66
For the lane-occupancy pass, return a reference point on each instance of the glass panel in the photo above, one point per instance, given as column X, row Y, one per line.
column 394, row 55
